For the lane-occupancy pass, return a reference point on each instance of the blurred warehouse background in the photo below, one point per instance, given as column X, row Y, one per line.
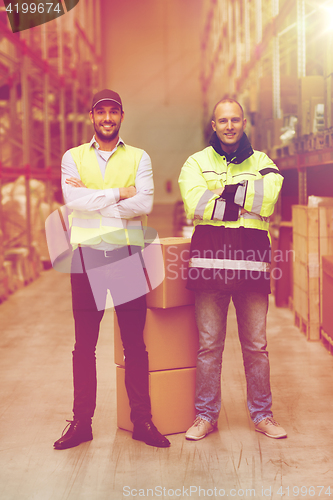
column 171, row 61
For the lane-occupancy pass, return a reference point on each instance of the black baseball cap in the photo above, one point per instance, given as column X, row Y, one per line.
column 106, row 95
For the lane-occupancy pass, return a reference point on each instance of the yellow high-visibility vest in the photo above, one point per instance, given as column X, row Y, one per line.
column 207, row 170
column 90, row 228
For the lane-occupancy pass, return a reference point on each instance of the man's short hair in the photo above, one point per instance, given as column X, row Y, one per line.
column 227, row 99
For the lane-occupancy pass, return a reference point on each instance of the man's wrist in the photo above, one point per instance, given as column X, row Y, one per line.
column 123, row 193
column 126, row 192
column 218, row 191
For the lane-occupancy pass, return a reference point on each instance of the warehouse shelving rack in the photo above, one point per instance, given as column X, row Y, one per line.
column 265, row 54
column 47, row 76
column 276, row 58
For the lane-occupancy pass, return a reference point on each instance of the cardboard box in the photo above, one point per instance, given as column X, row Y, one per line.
column 312, row 238
column 172, row 395
column 171, row 337
column 172, row 292
column 306, row 268
column 327, row 315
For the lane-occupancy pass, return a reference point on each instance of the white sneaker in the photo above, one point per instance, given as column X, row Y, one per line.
column 271, row 428
column 199, row 429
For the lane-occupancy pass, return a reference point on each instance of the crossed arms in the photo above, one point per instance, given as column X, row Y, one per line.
column 122, row 202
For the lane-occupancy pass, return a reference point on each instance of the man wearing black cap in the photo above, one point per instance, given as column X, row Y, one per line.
column 108, row 185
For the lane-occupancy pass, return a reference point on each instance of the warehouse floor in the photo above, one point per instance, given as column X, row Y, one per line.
column 35, row 375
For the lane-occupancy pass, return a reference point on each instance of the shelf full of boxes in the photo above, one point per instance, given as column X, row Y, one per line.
column 276, row 59
column 47, row 76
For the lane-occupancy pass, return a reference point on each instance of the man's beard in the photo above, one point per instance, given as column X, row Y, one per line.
column 107, row 138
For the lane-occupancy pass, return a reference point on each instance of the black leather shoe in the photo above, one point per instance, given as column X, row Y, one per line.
column 148, row 433
column 79, row 431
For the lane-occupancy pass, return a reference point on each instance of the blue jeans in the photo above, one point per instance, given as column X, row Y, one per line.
column 211, row 308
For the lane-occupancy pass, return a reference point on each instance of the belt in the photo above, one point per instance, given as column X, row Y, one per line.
column 92, row 257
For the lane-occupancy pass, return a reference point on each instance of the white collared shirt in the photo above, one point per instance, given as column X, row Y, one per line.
column 107, row 201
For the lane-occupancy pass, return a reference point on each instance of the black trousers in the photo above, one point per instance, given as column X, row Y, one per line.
column 131, row 318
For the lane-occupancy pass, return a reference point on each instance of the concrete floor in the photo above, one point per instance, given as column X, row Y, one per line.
column 36, row 382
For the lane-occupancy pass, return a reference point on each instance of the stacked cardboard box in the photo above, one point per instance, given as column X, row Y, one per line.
column 312, row 239
column 171, row 338
column 327, row 310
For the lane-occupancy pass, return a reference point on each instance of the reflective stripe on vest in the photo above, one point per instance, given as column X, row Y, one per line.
column 258, row 195
column 240, row 195
column 251, row 215
column 207, row 170
column 247, row 219
column 219, row 209
column 202, row 203
column 85, row 223
column 113, row 222
column 237, row 265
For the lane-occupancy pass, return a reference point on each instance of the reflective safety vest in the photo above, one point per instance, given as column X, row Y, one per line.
column 230, row 249
column 90, row 228
column 256, row 185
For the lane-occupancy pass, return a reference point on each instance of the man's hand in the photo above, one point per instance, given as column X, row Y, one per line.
column 127, row 192
column 73, row 181
column 218, row 191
